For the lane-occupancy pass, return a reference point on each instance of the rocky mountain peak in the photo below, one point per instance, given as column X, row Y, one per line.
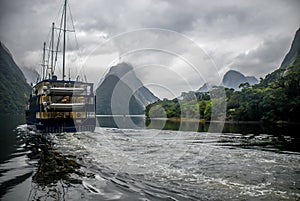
column 121, row 86
column 233, row 79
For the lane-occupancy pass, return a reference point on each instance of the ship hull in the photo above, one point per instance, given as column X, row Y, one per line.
column 61, row 125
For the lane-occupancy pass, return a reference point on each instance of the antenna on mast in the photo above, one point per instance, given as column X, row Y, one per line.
column 69, row 74
column 44, row 62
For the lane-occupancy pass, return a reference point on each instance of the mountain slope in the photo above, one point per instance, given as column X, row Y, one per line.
column 13, row 87
column 293, row 52
column 121, row 92
column 276, row 97
column 290, row 62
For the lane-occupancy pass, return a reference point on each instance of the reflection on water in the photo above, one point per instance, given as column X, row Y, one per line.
column 175, row 125
column 52, row 165
column 13, row 168
column 124, row 122
column 30, row 165
column 54, row 172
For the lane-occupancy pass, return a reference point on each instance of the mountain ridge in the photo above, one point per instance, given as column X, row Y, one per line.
column 233, row 79
column 119, row 87
column 293, row 52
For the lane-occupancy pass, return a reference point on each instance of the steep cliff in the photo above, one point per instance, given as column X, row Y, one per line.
column 121, row 92
column 293, row 53
column 14, row 90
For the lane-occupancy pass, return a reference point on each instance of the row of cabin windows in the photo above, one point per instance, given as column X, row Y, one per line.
column 39, row 89
column 64, row 115
column 68, row 99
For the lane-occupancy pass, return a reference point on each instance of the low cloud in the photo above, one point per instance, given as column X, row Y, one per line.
column 249, row 36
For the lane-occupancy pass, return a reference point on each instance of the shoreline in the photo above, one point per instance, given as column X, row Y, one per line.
column 203, row 121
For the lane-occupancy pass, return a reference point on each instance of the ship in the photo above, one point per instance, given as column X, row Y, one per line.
column 60, row 105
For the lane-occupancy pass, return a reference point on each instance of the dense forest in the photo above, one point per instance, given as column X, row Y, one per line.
column 275, row 98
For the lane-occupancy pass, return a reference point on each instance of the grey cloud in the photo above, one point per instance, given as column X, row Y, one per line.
column 224, row 29
column 268, row 55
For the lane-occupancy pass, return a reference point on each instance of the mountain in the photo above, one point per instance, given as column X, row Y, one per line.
column 14, row 90
column 276, row 98
column 122, row 92
column 252, row 80
column 30, row 74
column 291, row 62
column 293, row 53
column 233, row 79
column 205, row 88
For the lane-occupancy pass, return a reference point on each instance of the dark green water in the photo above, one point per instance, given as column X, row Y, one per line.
column 15, row 170
column 124, row 160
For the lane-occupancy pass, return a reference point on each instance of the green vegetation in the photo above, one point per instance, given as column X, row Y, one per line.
column 192, row 105
column 14, row 91
column 275, row 98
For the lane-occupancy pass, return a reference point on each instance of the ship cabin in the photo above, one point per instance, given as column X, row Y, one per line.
column 62, row 106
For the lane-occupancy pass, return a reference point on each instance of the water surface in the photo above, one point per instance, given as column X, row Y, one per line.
column 148, row 164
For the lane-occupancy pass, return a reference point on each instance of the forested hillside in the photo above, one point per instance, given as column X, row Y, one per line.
column 274, row 98
column 14, row 91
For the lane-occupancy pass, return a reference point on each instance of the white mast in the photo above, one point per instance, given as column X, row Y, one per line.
column 52, row 50
column 64, row 40
column 44, row 62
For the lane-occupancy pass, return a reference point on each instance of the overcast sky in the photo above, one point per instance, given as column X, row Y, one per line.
column 174, row 45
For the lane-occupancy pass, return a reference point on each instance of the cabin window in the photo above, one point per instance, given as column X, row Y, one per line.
column 58, row 115
column 90, row 114
column 65, row 99
column 91, row 100
column 61, row 99
column 45, row 115
column 80, row 114
column 67, row 115
column 55, row 99
column 45, row 98
column 78, row 99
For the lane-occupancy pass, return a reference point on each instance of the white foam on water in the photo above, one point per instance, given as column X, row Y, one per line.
column 91, row 188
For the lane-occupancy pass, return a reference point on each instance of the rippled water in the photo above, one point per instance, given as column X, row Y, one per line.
column 149, row 164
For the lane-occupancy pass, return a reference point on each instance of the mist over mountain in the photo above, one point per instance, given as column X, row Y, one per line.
column 14, row 90
column 30, row 74
column 122, row 92
column 233, row 79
